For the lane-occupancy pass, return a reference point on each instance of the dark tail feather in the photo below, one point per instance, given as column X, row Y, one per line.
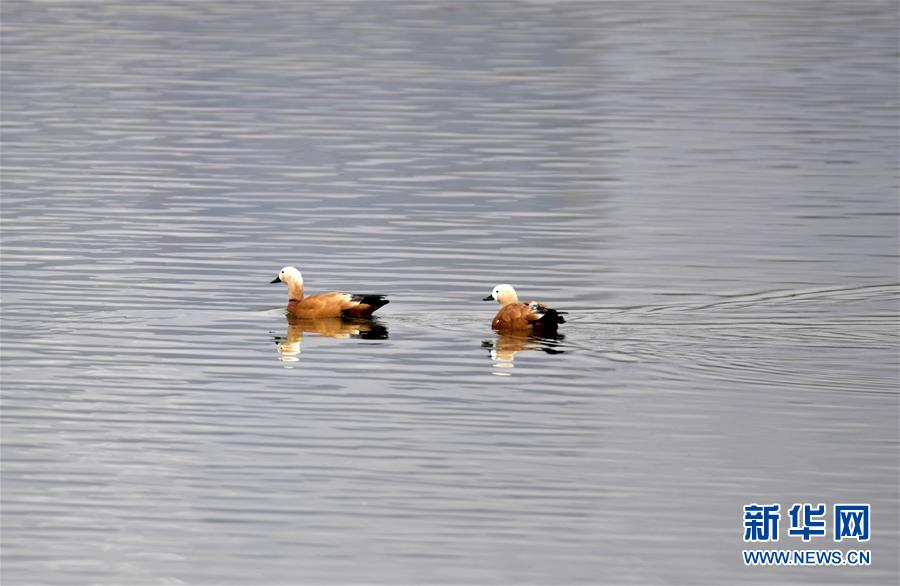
column 368, row 304
column 551, row 318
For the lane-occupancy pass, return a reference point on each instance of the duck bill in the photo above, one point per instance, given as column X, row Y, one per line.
column 488, row 298
column 275, row 280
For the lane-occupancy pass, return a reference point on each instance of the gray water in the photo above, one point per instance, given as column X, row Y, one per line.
column 708, row 188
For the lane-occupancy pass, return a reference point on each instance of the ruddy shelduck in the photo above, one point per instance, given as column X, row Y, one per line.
column 528, row 316
column 335, row 304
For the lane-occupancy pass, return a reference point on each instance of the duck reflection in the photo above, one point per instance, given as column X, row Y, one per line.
column 332, row 327
column 506, row 345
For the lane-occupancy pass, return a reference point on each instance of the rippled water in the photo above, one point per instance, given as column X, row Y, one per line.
column 709, row 189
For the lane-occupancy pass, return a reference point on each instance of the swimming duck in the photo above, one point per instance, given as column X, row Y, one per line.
column 335, row 304
column 530, row 315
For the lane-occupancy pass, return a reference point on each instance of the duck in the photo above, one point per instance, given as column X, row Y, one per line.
column 335, row 304
column 522, row 316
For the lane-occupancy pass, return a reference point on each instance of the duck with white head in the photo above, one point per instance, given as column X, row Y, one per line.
column 522, row 316
column 335, row 304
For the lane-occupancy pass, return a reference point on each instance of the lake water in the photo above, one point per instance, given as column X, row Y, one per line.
column 708, row 188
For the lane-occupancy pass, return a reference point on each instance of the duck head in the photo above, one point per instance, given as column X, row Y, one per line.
column 503, row 294
column 293, row 279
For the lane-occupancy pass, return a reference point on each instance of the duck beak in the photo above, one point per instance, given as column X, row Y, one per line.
column 488, row 298
column 277, row 279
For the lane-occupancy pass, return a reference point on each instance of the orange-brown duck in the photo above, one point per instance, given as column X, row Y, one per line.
column 525, row 316
column 336, row 304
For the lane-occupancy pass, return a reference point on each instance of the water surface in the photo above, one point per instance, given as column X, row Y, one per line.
column 709, row 189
